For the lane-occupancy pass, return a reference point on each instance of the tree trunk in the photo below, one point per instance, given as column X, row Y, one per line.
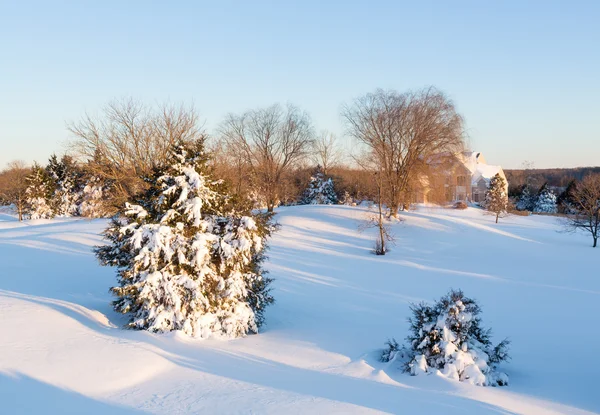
column 595, row 242
column 381, row 229
column 497, row 214
column 269, row 207
column 394, row 209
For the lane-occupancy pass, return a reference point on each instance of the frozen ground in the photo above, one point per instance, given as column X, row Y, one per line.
column 62, row 351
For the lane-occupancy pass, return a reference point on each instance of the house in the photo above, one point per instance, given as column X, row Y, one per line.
column 455, row 177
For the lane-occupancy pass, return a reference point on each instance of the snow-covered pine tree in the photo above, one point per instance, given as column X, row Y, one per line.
column 65, row 176
column 40, row 188
column 92, row 198
column 526, row 200
column 447, row 338
column 546, row 201
column 320, row 190
column 187, row 260
column 496, row 199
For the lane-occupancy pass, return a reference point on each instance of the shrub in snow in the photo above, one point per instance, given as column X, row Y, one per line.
column 546, row 201
column 40, row 188
column 446, row 338
column 460, row 205
column 496, row 199
column 320, row 190
column 187, row 260
column 347, row 199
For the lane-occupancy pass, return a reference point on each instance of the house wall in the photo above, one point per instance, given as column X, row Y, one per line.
column 478, row 191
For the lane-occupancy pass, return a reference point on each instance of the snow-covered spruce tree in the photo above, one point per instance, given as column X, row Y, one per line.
column 64, row 173
column 447, row 338
column 40, row 189
column 496, row 199
column 187, row 260
column 92, row 198
column 320, row 190
column 546, row 201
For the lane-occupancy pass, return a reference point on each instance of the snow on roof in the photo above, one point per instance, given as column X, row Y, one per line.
column 475, row 162
column 485, row 171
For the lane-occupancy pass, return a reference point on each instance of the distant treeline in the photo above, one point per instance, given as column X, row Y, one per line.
column 554, row 177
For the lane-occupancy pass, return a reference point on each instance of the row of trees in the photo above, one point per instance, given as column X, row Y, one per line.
column 580, row 202
column 61, row 188
column 269, row 154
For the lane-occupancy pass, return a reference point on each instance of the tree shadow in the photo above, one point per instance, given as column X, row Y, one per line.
column 21, row 394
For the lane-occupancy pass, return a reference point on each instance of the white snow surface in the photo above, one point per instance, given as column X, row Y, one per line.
column 62, row 350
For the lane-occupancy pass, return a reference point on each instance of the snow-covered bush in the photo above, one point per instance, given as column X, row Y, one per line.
column 40, row 188
column 446, row 338
column 320, row 190
column 187, row 260
column 546, row 201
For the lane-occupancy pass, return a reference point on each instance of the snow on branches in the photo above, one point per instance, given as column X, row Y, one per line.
column 546, row 201
column 320, row 190
column 446, row 338
column 187, row 260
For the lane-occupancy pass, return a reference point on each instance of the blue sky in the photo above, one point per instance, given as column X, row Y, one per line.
column 524, row 74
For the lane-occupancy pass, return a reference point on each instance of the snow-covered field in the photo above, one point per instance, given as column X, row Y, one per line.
column 62, row 350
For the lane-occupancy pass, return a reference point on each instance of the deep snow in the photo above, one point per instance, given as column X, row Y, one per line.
column 62, row 349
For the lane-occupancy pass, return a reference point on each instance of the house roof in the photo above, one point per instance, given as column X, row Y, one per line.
column 478, row 167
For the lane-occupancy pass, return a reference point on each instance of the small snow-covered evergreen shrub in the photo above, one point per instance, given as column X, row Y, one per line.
column 320, row 190
column 447, row 338
column 546, row 201
column 347, row 199
column 187, row 257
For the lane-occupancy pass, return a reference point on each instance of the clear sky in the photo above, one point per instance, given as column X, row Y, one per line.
column 525, row 74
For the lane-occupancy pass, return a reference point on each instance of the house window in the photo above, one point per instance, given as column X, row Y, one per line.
column 461, row 180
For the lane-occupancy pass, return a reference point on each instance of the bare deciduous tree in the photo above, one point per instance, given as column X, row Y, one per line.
column 586, row 202
column 13, row 185
column 326, row 151
column 128, row 139
column 401, row 131
column 271, row 140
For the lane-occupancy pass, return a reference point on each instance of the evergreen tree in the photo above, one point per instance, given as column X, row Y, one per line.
column 546, row 201
column 187, row 258
column 566, row 202
column 447, row 338
column 496, row 200
column 320, row 190
column 92, row 198
column 65, row 175
column 527, row 199
column 40, row 188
